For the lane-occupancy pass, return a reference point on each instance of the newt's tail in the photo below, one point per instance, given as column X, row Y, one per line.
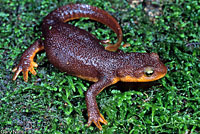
column 76, row 11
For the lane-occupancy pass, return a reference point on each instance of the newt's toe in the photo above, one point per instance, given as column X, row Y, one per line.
column 105, row 42
column 25, row 75
column 17, row 71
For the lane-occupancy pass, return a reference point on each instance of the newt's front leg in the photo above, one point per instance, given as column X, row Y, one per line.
column 26, row 63
column 93, row 112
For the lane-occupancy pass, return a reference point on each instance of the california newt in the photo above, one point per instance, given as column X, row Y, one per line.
column 79, row 53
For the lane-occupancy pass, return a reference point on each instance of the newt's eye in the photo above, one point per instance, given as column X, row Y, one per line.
column 148, row 71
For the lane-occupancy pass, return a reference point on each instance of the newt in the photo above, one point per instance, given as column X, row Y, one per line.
column 79, row 53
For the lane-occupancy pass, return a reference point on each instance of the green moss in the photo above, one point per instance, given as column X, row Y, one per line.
column 53, row 102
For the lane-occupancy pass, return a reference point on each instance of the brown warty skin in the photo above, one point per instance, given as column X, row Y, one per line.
column 79, row 53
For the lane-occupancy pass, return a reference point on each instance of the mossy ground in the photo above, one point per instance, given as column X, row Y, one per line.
column 53, row 102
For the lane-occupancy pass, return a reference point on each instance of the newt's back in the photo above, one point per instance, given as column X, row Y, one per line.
column 71, row 48
column 74, row 49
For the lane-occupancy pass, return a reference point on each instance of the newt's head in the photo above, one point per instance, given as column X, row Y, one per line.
column 142, row 68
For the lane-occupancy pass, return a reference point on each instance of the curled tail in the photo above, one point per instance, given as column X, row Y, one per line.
column 76, row 11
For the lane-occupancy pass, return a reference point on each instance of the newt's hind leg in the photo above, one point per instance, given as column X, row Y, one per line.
column 109, row 46
column 112, row 47
column 26, row 63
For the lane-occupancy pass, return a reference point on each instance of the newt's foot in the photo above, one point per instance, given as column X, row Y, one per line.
column 126, row 45
column 96, row 119
column 25, row 65
column 105, row 41
column 111, row 48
